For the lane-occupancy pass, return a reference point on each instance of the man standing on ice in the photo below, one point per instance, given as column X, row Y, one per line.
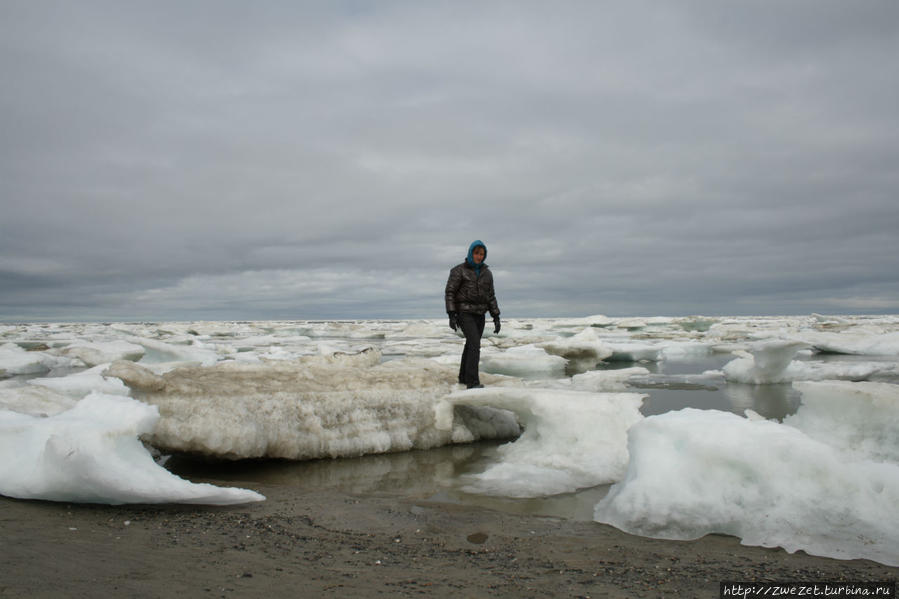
column 469, row 294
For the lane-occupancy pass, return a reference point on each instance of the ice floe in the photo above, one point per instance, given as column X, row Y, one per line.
column 17, row 361
column 161, row 352
column 526, row 361
column 861, row 419
column 91, row 453
column 697, row 472
column 583, row 351
column 103, row 352
column 571, row 440
column 772, row 362
column 82, row 384
column 870, row 344
column 317, row 406
column 34, row 400
column 765, row 363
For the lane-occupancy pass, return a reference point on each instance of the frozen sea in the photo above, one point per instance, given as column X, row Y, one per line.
column 782, row 431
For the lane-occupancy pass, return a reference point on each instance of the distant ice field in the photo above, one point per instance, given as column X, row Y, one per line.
column 663, row 427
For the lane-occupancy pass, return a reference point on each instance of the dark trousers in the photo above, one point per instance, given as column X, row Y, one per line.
column 472, row 327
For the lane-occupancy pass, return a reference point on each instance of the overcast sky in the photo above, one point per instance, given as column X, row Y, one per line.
column 255, row 160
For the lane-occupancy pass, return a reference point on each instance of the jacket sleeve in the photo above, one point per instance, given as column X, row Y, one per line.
column 452, row 287
column 491, row 302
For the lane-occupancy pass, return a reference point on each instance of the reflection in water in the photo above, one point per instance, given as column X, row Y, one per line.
column 771, row 401
column 417, row 473
column 432, row 475
column 570, row 506
column 675, row 384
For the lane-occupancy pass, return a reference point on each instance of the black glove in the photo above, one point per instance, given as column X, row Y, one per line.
column 496, row 325
column 453, row 320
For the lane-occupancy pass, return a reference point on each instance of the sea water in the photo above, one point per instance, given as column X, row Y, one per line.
column 426, row 476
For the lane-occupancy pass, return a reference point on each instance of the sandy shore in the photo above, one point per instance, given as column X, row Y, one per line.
column 332, row 544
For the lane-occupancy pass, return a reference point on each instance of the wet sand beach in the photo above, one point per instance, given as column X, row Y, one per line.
column 328, row 543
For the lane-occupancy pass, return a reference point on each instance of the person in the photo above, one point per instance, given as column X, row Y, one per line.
column 469, row 295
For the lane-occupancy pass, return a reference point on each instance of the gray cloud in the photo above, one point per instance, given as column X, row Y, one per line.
column 299, row 160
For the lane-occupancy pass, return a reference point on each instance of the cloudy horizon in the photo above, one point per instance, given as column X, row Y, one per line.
column 300, row 160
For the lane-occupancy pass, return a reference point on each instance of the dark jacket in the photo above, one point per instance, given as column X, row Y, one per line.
column 469, row 291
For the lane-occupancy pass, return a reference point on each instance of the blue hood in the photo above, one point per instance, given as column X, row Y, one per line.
column 470, row 258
